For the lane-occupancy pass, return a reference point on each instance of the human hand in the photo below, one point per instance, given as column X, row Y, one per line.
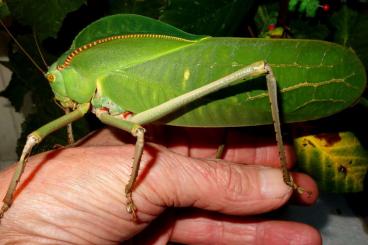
column 76, row 195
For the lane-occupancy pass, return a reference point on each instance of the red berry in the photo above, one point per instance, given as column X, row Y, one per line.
column 271, row 27
column 326, row 7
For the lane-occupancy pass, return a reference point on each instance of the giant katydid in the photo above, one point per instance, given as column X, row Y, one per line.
column 131, row 71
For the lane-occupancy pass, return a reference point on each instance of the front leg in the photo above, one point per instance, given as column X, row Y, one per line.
column 33, row 139
column 69, row 130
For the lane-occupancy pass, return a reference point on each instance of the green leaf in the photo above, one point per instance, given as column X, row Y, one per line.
column 293, row 4
column 45, row 16
column 215, row 18
column 344, row 21
column 309, row 29
column 208, row 17
column 337, row 161
column 4, row 10
column 151, row 8
column 350, row 27
column 309, row 7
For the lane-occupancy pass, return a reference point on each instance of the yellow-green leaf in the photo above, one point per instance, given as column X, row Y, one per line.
column 337, row 161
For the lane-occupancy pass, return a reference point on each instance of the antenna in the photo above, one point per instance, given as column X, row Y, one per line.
column 21, row 48
column 38, row 48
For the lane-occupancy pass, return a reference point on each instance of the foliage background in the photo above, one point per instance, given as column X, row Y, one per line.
column 56, row 22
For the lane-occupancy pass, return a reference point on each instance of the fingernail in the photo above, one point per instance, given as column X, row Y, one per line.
column 272, row 183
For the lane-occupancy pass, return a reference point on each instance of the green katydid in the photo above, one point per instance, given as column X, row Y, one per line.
column 132, row 70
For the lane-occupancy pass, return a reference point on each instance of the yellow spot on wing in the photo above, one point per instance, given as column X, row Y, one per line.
column 186, row 74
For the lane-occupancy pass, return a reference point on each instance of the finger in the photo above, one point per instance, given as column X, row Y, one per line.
column 257, row 148
column 311, row 193
column 240, row 150
column 213, row 185
column 219, row 229
column 242, row 146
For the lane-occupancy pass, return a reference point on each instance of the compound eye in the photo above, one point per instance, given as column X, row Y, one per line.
column 51, row 77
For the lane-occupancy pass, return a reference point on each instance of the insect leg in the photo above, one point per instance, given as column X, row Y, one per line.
column 220, row 151
column 254, row 70
column 272, row 95
column 221, row 148
column 34, row 138
column 138, row 132
column 69, row 127
column 251, row 71
column 69, row 130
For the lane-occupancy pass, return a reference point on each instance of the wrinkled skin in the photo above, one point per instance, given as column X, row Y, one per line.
column 76, row 195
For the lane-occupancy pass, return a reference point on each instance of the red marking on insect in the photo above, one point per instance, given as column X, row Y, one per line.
column 126, row 114
column 78, row 50
column 104, row 109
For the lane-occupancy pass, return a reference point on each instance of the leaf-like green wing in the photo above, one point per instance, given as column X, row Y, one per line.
column 124, row 24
